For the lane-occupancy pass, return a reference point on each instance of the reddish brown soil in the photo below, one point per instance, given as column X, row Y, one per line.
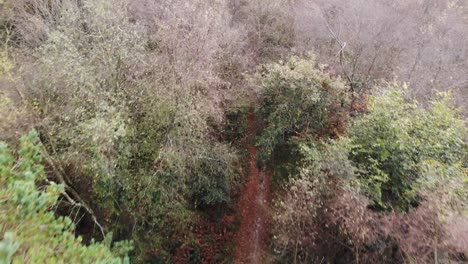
column 253, row 232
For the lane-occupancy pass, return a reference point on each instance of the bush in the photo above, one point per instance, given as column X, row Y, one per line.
column 395, row 137
column 30, row 230
column 325, row 214
column 299, row 100
column 142, row 108
column 381, row 40
column 127, row 125
column 269, row 28
column 16, row 118
column 301, row 228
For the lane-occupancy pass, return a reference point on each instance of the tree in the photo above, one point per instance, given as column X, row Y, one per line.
column 392, row 140
column 30, row 231
column 299, row 99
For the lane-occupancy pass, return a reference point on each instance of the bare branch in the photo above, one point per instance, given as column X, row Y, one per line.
column 77, row 200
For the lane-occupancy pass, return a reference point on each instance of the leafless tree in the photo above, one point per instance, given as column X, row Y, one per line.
column 422, row 43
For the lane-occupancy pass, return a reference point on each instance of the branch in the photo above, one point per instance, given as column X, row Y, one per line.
column 340, row 52
column 78, row 201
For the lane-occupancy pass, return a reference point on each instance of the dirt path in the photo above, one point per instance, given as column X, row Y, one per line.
column 253, row 232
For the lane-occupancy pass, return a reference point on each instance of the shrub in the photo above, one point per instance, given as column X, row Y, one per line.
column 395, row 137
column 325, row 214
column 126, row 124
column 299, row 100
column 269, row 28
column 207, row 171
column 201, row 52
column 300, row 225
column 322, row 216
column 30, row 230
column 381, row 40
column 16, row 118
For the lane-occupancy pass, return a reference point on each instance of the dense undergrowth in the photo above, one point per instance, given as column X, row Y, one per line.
column 390, row 188
column 134, row 142
column 31, row 232
column 138, row 112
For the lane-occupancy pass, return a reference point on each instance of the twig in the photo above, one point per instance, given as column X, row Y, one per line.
column 340, row 52
column 78, row 201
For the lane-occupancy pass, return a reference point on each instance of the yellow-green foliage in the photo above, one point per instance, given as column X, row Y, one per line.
column 5, row 64
column 11, row 114
column 392, row 140
column 29, row 229
column 14, row 115
column 405, row 158
column 299, row 99
column 134, row 143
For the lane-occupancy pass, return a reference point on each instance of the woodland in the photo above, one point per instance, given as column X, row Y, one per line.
column 234, row 131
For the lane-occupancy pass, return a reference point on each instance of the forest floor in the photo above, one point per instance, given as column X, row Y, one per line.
column 251, row 239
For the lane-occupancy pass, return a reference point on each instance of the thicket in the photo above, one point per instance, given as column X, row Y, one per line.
column 140, row 109
column 417, row 42
column 298, row 100
column 389, row 189
column 30, row 230
column 126, row 111
column 391, row 143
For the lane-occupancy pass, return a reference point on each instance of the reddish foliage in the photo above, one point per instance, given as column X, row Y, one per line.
column 211, row 237
column 337, row 120
column 336, row 225
column 380, row 237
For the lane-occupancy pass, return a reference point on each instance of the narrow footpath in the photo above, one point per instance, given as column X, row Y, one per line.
column 252, row 237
